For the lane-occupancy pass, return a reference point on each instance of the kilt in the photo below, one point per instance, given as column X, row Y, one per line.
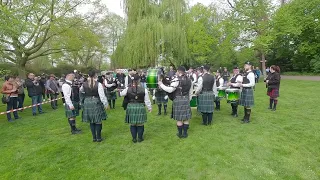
column 206, row 102
column 136, row 113
column 72, row 113
column 111, row 95
column 246, row 98
column 181, row 108
column 93, row 110
column 273, row 92
column 160, row 97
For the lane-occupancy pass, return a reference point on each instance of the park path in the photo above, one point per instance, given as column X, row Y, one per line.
column 308, row 78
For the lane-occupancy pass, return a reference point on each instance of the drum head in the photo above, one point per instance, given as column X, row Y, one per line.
column 232, row 90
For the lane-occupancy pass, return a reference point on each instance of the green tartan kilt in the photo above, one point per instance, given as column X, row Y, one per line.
column 93, row 110
column 136, row 113
column 181, row 108
column 160, row 97
column 111, row 95
column 206, row 102
column 72, row 113
column 247, row 99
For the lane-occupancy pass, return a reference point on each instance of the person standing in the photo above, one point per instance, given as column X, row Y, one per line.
column 247, row 98
column 61, row 82
column 42, row 83
column 234, row 83
column 72, row 98
column 219, row 84
column 258, row 74
column 226, row 76
column 273, row 83
column 94, row 105
column 111, row 85
column 181, row 86
column 21, row 94
column 35, row 91
column 206, row 92
column 10, row 90
column 53, row 90
column 143, row 80
column 161, row 97
column 136, row 114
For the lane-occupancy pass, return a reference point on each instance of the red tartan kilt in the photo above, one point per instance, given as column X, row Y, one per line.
column 274, row 93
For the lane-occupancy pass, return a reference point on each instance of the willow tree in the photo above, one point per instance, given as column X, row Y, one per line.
column 155, row 31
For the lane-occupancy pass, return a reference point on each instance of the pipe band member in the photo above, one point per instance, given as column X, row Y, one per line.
column 247, row 99
column 136, row 114
column 181, row 86
column 206, row 92
column 72, row 101
column 111, row 84
column 273, row 84
column 219, row 84
column 234, row 83
column 94, row 105
column 161, row 97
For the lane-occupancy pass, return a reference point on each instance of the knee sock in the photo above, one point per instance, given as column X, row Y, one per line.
column 93, row 130
column 98, row 130
column 210, row 118
column 140, row 130
column 110, row 105
column 185, row 129
column 165, row 108
column 275, row 104
column 113, row 103
column 248, row 114
column 133, row 130
column 180, row 130
column 159, row 108
column 245, row 114
column 271, row 102
column 204, row 118
column 72, row 124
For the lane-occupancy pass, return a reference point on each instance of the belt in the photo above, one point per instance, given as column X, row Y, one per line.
column 207, row 90
column 247, row 87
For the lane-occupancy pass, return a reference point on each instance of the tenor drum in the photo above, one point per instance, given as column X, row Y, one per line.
column 152, row 78
column 233, row 95
column 221, row 92
column 193, row 102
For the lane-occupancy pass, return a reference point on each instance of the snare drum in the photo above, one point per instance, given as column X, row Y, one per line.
column 194, row 101
column 152, row 78
column 221, row 92
column 233, row 95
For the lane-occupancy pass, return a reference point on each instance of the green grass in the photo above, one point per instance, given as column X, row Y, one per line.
column 276, row 145
column 300, row 74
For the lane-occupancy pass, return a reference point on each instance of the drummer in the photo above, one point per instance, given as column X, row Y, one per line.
column 161, row 97
column 234, row 83
column 206, row 91
column 219, row 84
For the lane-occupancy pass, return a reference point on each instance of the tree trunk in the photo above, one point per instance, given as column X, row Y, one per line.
column 282, row 2
column 263, row 64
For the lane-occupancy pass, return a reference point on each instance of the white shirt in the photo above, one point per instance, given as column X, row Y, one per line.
column 200, row 85
column 109, row 85
column 146, row 97
column 102, row 96
column 239, row 81
column 194, row 76
column 221, row 81
column 66, row 89
column 173, row 86
column 126, row 81
column 251, row 78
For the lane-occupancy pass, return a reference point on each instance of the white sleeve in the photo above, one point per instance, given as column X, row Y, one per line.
column 147, row 99
column 172, row 87
column 215, row 91
column 124, row 92
column 102, row 96
column 126, row 81
column 200, row 85
column 194, row 78
column 106, row 84
column 251, row 78
column 66, row 89
column 221, row 81
column 190, row 93
column 238, row 81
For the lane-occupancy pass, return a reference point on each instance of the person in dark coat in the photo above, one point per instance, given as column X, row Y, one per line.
column 273, row 85
column 111, row 85
column 181, row 86
column 52, row 87
column 35, row 91
column 136, row 114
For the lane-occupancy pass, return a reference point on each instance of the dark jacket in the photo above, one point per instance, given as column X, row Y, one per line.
column 31, row 87
column 274, row 80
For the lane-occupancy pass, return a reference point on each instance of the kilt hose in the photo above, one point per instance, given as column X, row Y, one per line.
column 111, row 95
column 93, row 110
column 72, row 113
column 160, row 97
column 181, row 108
column 273, row 92
column 247, row 98
column 206, row 102
column 136, row 113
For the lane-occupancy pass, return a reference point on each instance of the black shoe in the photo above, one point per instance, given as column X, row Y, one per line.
column 274, row 109
column 34, row 114
column 179, row 136
column 41, row 112
column 10, row 120
column 99, row 140
column 17, row 118
column 134, row 140
column 79, row 130
column 185, row 135
column 204, row 124
column 235, row 115
column 75, row 132
column 94, row 140
column 159, row 114
column 140, row 140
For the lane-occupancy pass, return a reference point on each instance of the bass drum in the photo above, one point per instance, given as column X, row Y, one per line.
column 152, row 78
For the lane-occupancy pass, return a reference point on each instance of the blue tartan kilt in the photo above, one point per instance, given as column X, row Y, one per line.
column 206, row 102
column 160, row 97
column 111, row 95
column 72, row 113
column 247, row 98
column 181, row 108
column 93, row 110
column 136, row 113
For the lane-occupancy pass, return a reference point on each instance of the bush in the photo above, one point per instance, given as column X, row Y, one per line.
column 315, row 64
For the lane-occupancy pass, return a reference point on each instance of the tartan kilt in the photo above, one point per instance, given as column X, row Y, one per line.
column 160, row 97
column 136, row 113
column 206, row 102
column 246, row 99
column 273, row 93
column 111, row 95
column 93, row 110
column 72, row 113
column 181, row 108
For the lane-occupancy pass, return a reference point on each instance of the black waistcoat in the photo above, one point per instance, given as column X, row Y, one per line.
column 245, row 78
column 234, row 80
column 75, row 92
column 207, row 82
column 136, row 94
column 89, row 92
column 184, row 86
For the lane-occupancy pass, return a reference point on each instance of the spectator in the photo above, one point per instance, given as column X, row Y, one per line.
column 35, row 93
column 53, row 90
column 61, row 82
column 143, row 80
column 42, row 82
column 171, row 73
column 267, row 70
column 258, row 73
column 10, row 90
column 225, row 76
column 21, row 95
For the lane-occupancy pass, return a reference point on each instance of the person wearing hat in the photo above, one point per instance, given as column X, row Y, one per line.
column 52, row 87
column 94, row 105
column 234, row 83
column 247, row 99
column 219, row 84
column 72, row 101
column 136, row 114
column 181, row 87
column 206, row 92
column 111, row 85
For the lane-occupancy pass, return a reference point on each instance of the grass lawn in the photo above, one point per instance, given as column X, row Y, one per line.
column 276, row 145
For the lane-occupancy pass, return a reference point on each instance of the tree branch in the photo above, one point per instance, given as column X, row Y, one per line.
column 230, row 4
